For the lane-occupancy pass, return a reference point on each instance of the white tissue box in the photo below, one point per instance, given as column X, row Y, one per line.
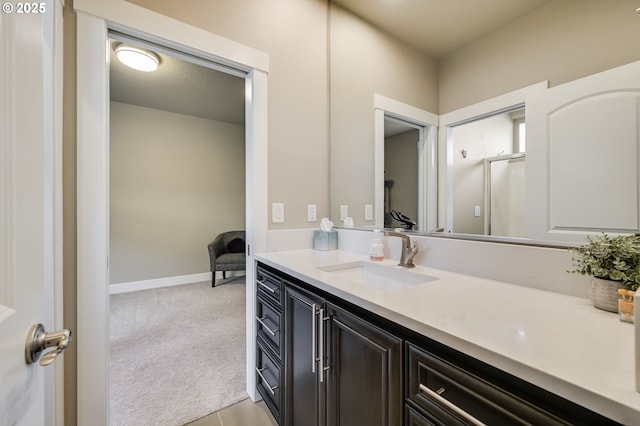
column 325, row 240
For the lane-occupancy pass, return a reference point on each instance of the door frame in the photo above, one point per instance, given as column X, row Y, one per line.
column 94, row 19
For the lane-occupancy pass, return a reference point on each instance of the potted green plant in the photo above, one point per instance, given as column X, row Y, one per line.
column 613, row 263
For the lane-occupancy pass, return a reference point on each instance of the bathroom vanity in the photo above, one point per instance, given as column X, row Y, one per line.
column 343, row 340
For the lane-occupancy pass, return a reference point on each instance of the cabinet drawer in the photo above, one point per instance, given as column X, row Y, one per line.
column 413, row 418
column 269, row 285
column 268, row 381
column 453, row 396
column 269, row 321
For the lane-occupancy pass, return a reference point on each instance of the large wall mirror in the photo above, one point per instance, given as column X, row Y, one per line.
column 435, row 59
column 487, row 192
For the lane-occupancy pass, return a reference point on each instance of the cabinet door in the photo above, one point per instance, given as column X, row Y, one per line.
column 364, row 385
column 304, row 403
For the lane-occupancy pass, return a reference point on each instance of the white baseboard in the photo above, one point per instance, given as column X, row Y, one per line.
column 158, row 283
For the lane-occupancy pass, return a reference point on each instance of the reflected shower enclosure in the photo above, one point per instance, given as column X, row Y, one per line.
column 489, row 175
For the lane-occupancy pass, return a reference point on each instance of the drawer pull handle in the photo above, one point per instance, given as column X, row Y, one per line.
column 271, row 388
column 449, row 404
column 266, row 287
column 266, row 327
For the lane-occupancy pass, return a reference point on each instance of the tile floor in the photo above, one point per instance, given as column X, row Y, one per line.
column 243, row 413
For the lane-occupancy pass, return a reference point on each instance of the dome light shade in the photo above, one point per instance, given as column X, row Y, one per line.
column 136, row 58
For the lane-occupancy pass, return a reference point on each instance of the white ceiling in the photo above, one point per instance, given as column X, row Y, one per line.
column 181, row 87
column 436, row 27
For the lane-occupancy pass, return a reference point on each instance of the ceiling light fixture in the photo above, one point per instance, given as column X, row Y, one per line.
column 136, row 58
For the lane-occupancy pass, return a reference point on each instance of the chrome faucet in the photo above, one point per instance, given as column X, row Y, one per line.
column 408, row 251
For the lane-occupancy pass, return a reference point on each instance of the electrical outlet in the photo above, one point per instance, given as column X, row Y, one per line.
column 368, row 212
column 311, row 213
column 344, row 212
column 277, row 212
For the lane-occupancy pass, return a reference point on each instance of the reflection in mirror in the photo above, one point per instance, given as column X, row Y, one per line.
column 405, row 176
column 374, row 49
column 488, row 174
column 401, row 141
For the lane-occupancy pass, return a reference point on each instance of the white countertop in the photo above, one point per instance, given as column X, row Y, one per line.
column 560, row 343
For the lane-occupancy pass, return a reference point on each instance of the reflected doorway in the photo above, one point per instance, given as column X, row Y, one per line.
column 404, row 139
column 401, row 143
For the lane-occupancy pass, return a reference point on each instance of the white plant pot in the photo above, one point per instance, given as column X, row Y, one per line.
column 604, row 294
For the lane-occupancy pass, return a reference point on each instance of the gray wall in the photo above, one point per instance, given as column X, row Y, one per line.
column 176, row 181
column 560, row 41
column 294, row 34
column 366, row 61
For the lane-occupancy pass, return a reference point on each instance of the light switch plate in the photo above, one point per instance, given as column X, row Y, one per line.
column 277, row 212
column 476, row 211
column 368, row 212
column 311, row 213
column 344, row 212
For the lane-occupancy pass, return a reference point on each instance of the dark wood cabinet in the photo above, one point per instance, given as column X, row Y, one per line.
column 448, row 388
column 323, row 361
column 339, row 368
column 413, row 418
column 452, row 396
column 268, row 379
column 304, row 391
column 364, row 383
column 269, row 340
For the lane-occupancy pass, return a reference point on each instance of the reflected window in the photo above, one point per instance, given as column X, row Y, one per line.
column 519, row 131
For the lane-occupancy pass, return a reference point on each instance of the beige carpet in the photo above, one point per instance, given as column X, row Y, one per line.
column 177, row 353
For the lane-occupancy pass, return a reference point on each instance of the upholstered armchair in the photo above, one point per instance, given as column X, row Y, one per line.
column 227, row 253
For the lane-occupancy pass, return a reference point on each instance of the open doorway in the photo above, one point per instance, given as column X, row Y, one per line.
column 92, row 130
column 176, row 180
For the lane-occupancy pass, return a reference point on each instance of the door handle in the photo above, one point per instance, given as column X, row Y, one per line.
column 314, row 355
column 38, row 341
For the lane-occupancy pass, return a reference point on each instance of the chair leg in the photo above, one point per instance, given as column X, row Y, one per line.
column 213, row 278
column 224, row 275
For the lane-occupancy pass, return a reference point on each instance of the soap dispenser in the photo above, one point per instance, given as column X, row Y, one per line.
column 377, row 248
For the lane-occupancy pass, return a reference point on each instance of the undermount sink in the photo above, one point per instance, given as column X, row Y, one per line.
column 381, row 277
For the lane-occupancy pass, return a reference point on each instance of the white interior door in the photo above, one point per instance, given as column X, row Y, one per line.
column 583, row 155
column 26, row 207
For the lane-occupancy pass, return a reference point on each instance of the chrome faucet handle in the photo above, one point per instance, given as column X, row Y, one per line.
column 407, row 252
column 412, row 253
